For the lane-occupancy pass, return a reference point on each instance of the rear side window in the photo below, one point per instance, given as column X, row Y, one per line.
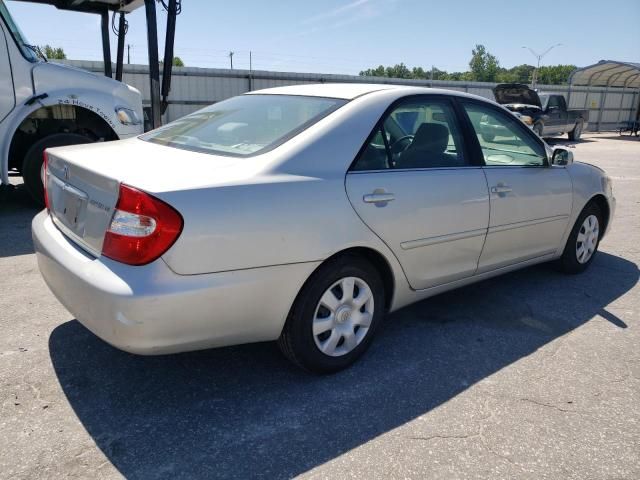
column 245, row 125
column 503, row 138
column 418, row 133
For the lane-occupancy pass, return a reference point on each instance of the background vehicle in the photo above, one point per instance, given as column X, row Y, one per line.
column 304, row 214
column 545, row 113
column 44, row 104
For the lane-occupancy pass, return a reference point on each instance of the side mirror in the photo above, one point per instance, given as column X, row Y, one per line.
column 561, row 157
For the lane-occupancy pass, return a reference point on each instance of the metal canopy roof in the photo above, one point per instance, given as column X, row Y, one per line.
column 608, row 73
column 92, row 6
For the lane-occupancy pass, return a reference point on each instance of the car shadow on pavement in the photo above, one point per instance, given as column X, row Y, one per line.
column 564, row 142
column 17, row 209
column 245, row 412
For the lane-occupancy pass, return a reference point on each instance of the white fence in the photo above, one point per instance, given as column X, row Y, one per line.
column 193, row 88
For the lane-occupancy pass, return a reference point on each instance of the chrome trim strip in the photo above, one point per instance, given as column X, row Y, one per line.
column 526, row 223
column 424, row 242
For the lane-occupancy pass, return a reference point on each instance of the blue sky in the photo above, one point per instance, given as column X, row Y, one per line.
column 346, row 36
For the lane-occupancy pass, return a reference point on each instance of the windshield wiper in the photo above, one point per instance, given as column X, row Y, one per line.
column 36, row 50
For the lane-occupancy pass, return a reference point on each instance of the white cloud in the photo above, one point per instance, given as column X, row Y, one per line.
column 336, row 12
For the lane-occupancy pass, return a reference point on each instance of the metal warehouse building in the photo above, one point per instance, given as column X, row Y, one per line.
column 610, row 90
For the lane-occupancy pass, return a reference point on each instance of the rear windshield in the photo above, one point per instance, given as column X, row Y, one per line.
column 245, row 125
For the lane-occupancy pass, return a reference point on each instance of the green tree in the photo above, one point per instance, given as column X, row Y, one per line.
column 177, row 62
column 419, row 73
column 484, row 66
column 373, row 72
column 399, row 70
column 555, row 74
column 52, row 53
column 518, row 74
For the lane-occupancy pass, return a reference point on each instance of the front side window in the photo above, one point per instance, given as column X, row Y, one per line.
column 554, row 101
column 245, row 125
column 502, row 138
column 544, row 99
column 418, row 133
column 27, row 50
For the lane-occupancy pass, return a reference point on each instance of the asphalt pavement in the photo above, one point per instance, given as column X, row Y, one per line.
column 534, row 374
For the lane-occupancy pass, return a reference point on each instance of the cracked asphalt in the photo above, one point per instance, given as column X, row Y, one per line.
column 533, row 375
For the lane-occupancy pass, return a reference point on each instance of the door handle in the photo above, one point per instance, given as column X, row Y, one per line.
column 378, row 197
column 501, row 189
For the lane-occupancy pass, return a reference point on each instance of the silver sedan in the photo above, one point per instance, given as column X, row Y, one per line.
column 304, row 214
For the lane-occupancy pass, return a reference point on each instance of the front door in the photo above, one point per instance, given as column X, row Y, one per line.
column 7, row 97
column 530, row 200
column 414, row 185
column 556, row 114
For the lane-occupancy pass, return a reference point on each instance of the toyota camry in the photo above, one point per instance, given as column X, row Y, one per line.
column 304, row 214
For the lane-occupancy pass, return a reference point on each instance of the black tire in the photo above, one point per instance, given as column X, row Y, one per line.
column 32, row 164
column 538, row 128
column 576, row 132
column 568, row 262
column 297, row 341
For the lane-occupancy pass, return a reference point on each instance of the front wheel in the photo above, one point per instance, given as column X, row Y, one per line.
column 32, row 164
column 583, row 241
column 576, row 132
column 335, row 316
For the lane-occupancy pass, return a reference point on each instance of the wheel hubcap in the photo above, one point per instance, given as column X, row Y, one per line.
column 587, row 241
column 343, row 316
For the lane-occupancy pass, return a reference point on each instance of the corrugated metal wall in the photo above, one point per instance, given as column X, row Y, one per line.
column 193, row 88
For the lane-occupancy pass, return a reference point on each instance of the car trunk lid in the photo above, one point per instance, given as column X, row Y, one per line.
column 83, row 181
column 81, row 201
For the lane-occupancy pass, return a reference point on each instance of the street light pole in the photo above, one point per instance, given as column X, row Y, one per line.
column 539, row 58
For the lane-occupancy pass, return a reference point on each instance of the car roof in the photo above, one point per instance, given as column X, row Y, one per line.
column 347, row 91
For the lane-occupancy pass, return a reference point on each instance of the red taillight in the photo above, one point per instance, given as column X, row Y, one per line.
column 142, row 228
column 45, row 166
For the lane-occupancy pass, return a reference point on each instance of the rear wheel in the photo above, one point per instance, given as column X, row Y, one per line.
column 576, row 132
column 335, row 316
column 583, row 241
column 32, row 164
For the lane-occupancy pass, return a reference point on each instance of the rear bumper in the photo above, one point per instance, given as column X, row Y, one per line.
column 151, row 310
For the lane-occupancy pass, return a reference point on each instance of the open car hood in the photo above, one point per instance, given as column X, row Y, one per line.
column 516, row 93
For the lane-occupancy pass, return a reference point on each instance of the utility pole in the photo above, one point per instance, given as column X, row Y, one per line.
column 250, row 62
column 539, row 56
column 128, row 53
column 432, row 67
column 231, row 59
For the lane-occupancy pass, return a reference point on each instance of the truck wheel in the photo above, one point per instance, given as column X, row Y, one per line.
column 576, row 132
column 32, row 164
column 537, row 128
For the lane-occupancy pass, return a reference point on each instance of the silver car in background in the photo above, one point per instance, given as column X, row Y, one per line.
column 304, row 214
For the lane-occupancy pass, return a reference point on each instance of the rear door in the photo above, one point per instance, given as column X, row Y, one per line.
column 530, row 200
column 415, row 186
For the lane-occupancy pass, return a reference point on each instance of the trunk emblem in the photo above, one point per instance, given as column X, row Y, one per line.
column 65, row 172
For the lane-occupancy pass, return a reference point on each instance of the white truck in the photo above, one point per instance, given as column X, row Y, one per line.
column 44, row 104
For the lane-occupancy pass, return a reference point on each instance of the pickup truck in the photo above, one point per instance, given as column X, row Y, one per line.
column 545, row 113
